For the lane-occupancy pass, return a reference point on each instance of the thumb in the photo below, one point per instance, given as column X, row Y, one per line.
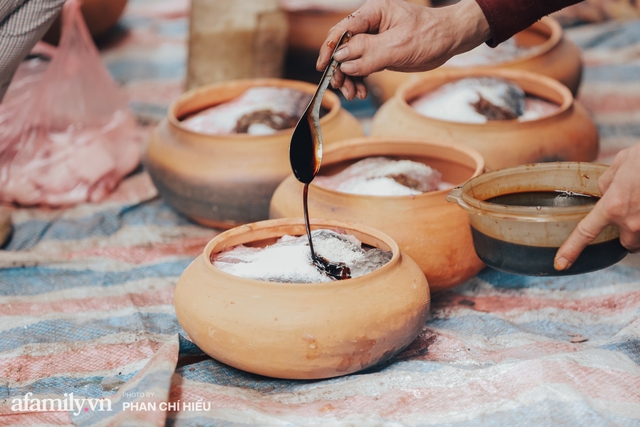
column 585, row 232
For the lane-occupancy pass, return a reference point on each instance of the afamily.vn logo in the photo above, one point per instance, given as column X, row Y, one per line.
column 66, row 404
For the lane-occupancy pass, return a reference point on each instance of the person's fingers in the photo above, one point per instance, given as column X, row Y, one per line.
column 630, row 240
column 348, row 88
column 584, row 233
column 366, row 54
column 362, row 20
column 337, row 79
column 606, row 178
column 361, row 89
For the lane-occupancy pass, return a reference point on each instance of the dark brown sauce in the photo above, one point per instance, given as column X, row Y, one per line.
column 305, row 165
column 556, row 198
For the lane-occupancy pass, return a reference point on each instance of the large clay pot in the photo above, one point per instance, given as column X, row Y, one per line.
column 99, row 15
column 431, row 231
column 302, row 331
column 555, row 56
column 226, row 180
column 567, row 134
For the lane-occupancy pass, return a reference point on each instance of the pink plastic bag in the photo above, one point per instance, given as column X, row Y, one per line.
column 70, row 136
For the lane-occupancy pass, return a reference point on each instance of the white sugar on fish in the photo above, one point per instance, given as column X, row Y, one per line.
column 382, row 176
column 289, row 259
column 465, row 100
column 537, row 108
column 274, row 108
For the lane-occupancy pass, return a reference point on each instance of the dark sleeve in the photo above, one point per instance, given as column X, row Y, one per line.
column 22, row 24
column 508, row 17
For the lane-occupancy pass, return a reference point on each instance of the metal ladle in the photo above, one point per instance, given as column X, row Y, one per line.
column 305, row 155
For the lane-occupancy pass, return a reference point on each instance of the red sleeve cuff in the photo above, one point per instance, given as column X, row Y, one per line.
column 508, row 17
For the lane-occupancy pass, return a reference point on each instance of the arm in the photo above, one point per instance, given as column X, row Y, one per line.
column 619, row 205
column 506, row 18
column 22, row 25
column 401, row 36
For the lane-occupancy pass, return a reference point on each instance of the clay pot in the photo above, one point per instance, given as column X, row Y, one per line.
column 99, row 15
column 226, row 180
column 302, row 331
column 567, row 134
column 431, row 231
column 556, row 57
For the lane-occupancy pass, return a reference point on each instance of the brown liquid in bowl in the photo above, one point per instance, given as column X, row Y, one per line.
column 535, row 260
column 544, row 198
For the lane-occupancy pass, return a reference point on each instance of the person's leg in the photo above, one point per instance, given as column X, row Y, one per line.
column 22, row 25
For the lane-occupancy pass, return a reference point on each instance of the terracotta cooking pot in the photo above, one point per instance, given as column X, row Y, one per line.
column 555, row 56
column 226, row 180
column 431, row 231
column 567, row 134
column 302, row 331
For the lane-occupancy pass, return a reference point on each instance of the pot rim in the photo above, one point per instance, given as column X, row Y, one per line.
column 409, row 90
column 374, row 142
column 276, row 224
column 556, row 34
column 330, row 100
column 522, row 213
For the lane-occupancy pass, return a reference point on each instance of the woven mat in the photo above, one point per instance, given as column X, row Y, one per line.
column 86, row 301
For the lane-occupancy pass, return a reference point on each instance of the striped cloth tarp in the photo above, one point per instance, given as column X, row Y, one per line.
column 88, row 333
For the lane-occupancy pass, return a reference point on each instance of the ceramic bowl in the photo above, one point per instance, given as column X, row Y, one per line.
column 568, row 134
column 525, row 239
column 302, row 331
column 431, row 231
column 555, row 56
column 226, row 180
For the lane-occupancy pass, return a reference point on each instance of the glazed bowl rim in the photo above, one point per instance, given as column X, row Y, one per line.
column 299, row 222
column 475, row 206
column 175, row 123
column 454, row 74
column 375, row 141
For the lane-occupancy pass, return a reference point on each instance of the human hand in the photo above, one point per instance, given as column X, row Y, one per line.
column 400, row 36
column 619, row 205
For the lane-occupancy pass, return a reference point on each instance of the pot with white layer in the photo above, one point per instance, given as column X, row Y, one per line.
column 223, row 148
column 254, row 300
column 398, row 186
column 517, row 117
column 541, row 48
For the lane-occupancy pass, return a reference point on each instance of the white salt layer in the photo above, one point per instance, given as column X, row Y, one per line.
column 222, row 119
column 454, row 102
column 289, row 259
column 382, row 176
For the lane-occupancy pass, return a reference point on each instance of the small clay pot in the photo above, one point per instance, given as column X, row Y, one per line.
column 431, row 231
column 555, row 56
column 226, row 180
column 302, row 331
column 567, row 134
